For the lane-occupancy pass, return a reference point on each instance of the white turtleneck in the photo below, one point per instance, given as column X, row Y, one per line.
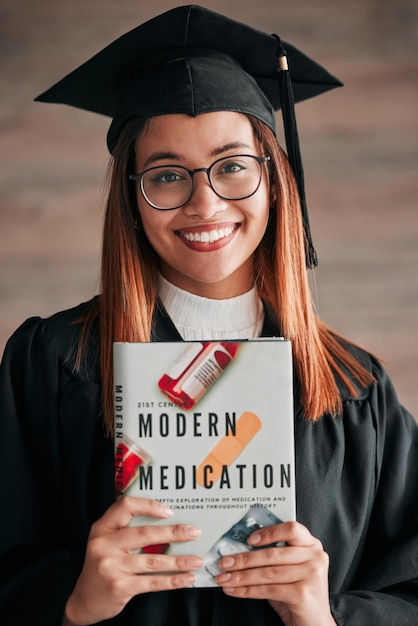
column 198, row 318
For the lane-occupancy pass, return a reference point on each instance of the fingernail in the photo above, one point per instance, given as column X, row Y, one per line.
column 166, row 511
column 254, row 539
column 195, row 562
column 188, row 579
column 223, row 578
column 193, row 531
column 228, row 561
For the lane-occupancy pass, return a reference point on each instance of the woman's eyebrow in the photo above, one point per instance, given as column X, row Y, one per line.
column 165, row 155
column 235, row 145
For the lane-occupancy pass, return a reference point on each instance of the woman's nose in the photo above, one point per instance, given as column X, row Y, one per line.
column 204, row 202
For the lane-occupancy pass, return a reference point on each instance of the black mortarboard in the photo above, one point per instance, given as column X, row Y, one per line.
column 193, row 60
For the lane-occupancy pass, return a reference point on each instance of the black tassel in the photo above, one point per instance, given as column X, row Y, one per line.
column 293, row 147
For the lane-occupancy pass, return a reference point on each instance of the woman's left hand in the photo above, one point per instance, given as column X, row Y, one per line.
column 293, row 577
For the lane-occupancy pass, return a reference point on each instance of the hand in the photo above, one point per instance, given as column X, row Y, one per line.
column 113, row 573
column 293, row 578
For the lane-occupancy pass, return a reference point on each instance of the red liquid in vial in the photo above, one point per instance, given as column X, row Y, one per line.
column 170, row 378
column 159, row 548
column 129, row 456
column 196, row 370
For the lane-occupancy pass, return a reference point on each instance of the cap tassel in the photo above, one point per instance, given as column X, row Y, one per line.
column 293, row 147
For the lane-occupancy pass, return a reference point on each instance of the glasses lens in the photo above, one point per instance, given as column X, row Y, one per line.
column 166, row 187
column 236, row 177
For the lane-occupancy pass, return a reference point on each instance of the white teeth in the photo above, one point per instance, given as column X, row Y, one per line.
column 209, row 237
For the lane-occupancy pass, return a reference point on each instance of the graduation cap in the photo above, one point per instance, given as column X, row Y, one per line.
column 193, row 60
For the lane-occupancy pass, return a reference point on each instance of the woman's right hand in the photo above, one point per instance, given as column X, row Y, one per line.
column 113, row 573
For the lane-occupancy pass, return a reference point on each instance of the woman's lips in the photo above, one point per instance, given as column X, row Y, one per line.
column 208, row 239
column 208, row 236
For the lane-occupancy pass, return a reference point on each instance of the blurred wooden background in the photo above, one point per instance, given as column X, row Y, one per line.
column 359, row 144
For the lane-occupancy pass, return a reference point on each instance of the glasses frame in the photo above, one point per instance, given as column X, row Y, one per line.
column 138, row 178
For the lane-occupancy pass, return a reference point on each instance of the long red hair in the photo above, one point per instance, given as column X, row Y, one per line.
column 129, row 277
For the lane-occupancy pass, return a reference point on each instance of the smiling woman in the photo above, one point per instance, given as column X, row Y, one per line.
column 207, row 245
column 206, row 237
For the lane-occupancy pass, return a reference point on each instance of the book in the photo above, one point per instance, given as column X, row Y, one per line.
column 207, row 428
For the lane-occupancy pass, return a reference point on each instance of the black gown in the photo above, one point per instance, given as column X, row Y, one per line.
column 356, row 482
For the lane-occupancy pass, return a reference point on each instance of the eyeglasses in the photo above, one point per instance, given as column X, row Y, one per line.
column 168, row 187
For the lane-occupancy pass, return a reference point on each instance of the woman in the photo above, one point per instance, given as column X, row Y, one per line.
column 190, row 253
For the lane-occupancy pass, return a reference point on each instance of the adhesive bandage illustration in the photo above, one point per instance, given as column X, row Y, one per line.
column 228, row 448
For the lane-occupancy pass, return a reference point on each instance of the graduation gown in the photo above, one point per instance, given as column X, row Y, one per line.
column 356, row 485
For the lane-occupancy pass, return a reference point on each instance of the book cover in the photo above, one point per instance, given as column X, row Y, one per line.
column 207, row 428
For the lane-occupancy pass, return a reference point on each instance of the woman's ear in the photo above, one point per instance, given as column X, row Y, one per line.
column 273, row 196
